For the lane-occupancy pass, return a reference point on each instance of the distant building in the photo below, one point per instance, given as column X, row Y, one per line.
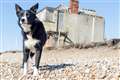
column 87, row 11
column 50, row 14
column 84, row 27
column 46, row 14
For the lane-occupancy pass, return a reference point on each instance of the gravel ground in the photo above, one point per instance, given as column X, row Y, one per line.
column 66, row 64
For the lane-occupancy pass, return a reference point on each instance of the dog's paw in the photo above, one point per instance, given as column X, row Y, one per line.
column 35, row 73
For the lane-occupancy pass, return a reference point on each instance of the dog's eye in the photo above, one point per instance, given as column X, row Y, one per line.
column 27, row 14
column 21, row 14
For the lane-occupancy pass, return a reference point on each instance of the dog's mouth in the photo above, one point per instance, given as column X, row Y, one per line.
column 25, row 23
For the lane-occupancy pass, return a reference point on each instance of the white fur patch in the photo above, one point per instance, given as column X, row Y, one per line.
column 30, row 43
column 26, row 27
column 25, row 68
column 24, row 17
column 35, row 73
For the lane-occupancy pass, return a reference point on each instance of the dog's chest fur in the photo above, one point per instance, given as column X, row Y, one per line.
column 26, row 27
column 30, row 42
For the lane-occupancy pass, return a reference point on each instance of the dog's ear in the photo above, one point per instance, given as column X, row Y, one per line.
column 34, row 8
column 18, row 8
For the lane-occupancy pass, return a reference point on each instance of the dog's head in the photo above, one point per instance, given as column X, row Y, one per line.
column 26, row 16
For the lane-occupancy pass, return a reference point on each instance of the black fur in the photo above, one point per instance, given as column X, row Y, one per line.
column 37, row 32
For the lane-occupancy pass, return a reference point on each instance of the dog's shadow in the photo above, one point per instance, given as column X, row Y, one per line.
column 54, row 67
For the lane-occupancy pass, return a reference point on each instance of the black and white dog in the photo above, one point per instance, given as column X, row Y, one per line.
column 34, row 36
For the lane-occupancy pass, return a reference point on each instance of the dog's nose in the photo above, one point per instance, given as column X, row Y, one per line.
column 23, row 20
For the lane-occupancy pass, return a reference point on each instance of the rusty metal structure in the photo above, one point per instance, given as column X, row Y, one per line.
column 73, row 6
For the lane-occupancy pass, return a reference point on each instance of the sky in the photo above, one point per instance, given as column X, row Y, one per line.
column 10, row 35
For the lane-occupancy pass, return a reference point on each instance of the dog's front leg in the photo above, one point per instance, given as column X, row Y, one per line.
column 25, row 61
column 37, row 61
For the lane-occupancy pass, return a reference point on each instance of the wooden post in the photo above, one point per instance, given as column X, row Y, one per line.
column 57, row 30
column 57, row 20
column 93, row 28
